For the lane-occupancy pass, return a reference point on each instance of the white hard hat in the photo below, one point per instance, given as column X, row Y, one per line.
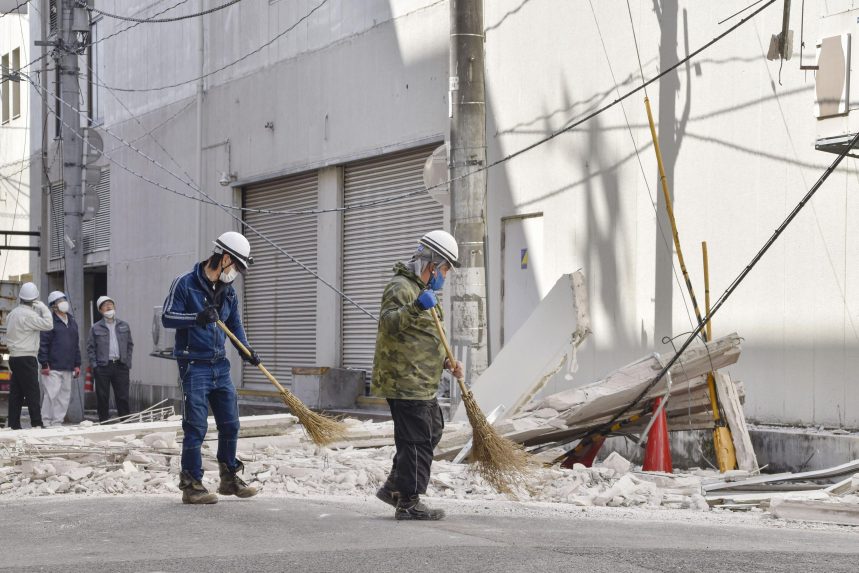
column 236, row 245
column 29, row 292
column 55, row 296
column 443, row 244
column 103, row 299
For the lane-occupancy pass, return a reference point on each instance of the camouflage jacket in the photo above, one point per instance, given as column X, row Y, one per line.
column 409, row 353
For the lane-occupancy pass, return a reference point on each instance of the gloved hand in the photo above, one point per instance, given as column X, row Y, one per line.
column 207, row 316
column 253, row 359
column 426, row 300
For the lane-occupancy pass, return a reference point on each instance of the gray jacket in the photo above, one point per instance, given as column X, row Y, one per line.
column 98, row 343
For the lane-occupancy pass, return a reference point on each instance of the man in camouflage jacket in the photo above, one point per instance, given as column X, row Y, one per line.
column 407, row 369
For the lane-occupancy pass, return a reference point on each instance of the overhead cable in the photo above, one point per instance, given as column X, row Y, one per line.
column 153, row 20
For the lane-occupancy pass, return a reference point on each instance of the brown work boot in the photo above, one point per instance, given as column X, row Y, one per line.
column 231, row 484
column 412, row 508
column 193, row 490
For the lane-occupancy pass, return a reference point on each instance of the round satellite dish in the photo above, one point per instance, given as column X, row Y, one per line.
column 436, row 175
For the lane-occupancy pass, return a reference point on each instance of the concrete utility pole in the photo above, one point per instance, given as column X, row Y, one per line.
column 72, row 154
column 468, row 195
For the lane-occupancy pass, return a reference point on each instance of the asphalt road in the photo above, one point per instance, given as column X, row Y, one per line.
column 149, row 534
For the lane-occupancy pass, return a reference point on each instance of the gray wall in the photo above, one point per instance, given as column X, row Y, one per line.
column 361, row 78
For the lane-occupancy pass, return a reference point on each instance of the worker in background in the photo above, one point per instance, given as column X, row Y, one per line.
column 407, row 370
column 23, row 326
column 60, row 357
column 109, row 350
column 196, row 301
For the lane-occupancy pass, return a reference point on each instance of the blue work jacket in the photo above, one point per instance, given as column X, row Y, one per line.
column 190, row 294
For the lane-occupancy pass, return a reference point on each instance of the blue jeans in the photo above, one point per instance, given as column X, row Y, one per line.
column 207, row 384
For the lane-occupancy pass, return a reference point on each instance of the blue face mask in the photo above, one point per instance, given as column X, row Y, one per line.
column 436, row 281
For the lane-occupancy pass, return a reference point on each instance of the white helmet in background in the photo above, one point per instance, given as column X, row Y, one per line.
column 237, row 246
column 55, row 296
column 101, row 300
column 28, row 293
column 444, row 245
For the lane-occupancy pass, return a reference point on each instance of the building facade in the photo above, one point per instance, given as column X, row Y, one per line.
column 289, row 121
column 15, row 130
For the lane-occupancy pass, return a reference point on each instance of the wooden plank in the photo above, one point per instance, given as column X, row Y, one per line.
column 840, row 513
column 735, row 416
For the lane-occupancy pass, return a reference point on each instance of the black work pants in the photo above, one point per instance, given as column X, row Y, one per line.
column 418, row 425
column 24, row 388
column 113, row 374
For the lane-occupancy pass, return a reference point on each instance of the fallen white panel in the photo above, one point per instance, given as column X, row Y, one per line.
column 553, row 328
column 843, row 469
column 840, row 513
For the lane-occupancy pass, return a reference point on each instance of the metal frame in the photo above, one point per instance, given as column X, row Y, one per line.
column 8, row 247
column 836, row 144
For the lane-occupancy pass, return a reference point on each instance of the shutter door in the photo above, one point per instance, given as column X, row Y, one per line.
column 280, row 297
column 57, row 248
column 95, row 232
column 377, row 237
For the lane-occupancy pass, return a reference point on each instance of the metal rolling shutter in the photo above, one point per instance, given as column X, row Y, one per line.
column 95, row 233
column 377, row 237
column 280, row 297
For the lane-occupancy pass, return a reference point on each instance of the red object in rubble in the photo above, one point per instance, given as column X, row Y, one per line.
column 657, row 454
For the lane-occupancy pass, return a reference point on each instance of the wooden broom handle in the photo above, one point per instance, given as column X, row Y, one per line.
column 446, row 344
column 244, row 349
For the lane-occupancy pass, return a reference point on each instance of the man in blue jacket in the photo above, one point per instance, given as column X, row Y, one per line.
column 196, row 301
column 60, row 357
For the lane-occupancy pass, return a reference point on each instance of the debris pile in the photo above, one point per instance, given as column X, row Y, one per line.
column 289, row 464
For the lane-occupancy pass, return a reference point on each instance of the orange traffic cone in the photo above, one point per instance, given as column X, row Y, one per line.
column 657, row 455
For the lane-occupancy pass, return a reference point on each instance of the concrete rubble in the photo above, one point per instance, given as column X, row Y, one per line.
column 288, row 464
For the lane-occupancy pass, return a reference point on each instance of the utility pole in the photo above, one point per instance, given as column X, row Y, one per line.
column 72, row 155
column 468, row 194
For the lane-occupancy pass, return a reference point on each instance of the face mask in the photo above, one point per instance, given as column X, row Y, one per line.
column 63, row 306
column 436, row 281
column 109, row 314
column 229, row 275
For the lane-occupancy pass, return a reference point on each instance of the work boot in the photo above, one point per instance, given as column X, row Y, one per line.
column 231, row 484
column 413, row 508
column 193, row 490
column 387, row 495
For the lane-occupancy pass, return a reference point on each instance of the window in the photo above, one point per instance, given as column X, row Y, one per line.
column 16, row 85
column 4, row 69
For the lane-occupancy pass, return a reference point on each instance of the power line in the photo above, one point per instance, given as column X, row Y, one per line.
column 127, row 28
column 226, row 66
column 152, row 20
column 209, row 199
column 486, row 167
column 23, row 160
column 640, row 163
column 15, row 9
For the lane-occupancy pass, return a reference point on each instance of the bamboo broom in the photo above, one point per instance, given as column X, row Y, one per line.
column 502, row 463
column 322, row 429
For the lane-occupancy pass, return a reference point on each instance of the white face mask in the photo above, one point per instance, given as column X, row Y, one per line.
column 63, row 306
column 229, row 275
column 109, row 314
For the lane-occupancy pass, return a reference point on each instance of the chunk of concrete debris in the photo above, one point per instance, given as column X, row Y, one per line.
column 617, row 462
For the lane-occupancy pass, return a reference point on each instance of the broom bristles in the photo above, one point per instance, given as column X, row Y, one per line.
column 321, row 429
column 503, row 464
